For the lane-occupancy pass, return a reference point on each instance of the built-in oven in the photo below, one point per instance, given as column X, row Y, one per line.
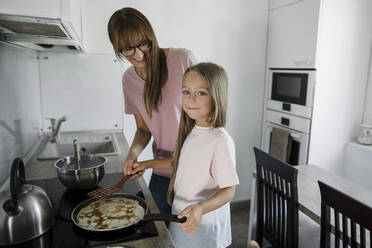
column 291, row 91
column 298, row 129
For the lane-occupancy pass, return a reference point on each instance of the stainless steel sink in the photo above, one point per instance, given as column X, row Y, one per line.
column 93, row 143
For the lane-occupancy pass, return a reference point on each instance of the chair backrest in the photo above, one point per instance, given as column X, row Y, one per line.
column 354, row 228
column 277, row 201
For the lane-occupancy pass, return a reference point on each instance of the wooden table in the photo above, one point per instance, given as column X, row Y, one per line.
column 309, row 193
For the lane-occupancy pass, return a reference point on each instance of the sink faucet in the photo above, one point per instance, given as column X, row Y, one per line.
column 56, row 127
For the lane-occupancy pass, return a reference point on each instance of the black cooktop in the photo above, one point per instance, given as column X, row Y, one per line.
column 64, row 234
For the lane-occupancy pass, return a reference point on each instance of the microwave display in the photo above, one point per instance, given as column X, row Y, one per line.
column 289, row 87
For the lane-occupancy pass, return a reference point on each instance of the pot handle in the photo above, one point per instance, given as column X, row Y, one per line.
column 165, row 217
column 17, row 180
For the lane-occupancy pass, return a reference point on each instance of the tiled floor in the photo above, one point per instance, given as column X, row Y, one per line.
column 239, row 224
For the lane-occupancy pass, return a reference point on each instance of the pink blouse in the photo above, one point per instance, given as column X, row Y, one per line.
column 164, row 123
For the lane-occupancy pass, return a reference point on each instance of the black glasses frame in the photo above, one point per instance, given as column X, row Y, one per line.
column 138, row 46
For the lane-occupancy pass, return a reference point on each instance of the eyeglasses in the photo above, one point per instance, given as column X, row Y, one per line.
column 144, row 46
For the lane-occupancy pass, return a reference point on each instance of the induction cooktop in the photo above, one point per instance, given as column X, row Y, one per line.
column 64, row 234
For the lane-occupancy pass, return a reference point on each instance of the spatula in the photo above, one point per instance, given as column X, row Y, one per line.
column 107, row 191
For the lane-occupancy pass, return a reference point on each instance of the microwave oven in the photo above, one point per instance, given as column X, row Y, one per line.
column 291, row 91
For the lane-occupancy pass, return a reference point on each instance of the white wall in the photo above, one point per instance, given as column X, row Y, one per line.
column 368, row 103
column 229, row 33
column 357, row 158
column 342, row 67
column 19, row 105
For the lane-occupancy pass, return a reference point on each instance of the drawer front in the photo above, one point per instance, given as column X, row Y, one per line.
column 294, row 109
column 289, row 121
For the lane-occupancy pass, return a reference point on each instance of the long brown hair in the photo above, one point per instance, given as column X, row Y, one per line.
column 127, row 27
column 216, row 78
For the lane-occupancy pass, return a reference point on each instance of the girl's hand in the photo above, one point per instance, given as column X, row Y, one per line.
column 195, row 212
column 128, row 169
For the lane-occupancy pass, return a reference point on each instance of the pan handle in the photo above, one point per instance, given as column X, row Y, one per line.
column 165, row 217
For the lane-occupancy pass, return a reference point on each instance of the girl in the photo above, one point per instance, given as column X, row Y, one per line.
column 152, row 87
column 204, row 176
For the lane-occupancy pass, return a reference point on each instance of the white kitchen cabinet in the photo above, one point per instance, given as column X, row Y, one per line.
column 274, row 4
column 334, row 38
column 40, row 8
column 97, row 14
column 293, row 35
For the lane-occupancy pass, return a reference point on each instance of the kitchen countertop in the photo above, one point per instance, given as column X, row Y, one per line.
column 44, row 169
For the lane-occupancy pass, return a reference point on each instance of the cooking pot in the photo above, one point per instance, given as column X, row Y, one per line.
column 26, row 212
column 80, row 171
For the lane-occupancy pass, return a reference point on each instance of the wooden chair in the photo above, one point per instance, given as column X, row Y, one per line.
column 277, row 201
column 355, row 219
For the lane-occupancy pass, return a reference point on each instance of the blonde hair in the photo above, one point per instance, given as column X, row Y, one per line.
column 127, row 27
column 217, row 81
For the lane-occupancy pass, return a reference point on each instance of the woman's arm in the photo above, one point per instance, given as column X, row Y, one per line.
column 165, row 164
column 140, row 141
column 196, row 211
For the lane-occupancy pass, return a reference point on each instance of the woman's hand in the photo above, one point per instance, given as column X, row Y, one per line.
column 141, row 139
column 195, row 212
column 128, row 169
column 138, row 168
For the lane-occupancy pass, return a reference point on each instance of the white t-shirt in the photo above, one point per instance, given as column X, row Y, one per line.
column 206, row 164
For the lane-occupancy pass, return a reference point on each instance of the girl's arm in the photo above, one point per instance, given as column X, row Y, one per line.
column 140, row 141
column 196, row 211
column 140, row 167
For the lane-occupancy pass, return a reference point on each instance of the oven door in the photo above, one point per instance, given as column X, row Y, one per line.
column 299, row 148
column 291, row 91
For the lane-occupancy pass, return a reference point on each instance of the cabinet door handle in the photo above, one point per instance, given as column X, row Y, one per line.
column 284, row 121
column 303, row 62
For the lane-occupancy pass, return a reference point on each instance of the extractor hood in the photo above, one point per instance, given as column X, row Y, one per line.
column 38, row 33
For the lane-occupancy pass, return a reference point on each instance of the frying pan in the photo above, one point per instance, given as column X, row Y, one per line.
column 130, row 228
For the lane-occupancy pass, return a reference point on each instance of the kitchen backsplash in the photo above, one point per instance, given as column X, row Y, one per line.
column 20, row 107
column 86, row 89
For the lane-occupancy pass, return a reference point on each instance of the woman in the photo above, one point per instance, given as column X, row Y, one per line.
column 152, row 92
